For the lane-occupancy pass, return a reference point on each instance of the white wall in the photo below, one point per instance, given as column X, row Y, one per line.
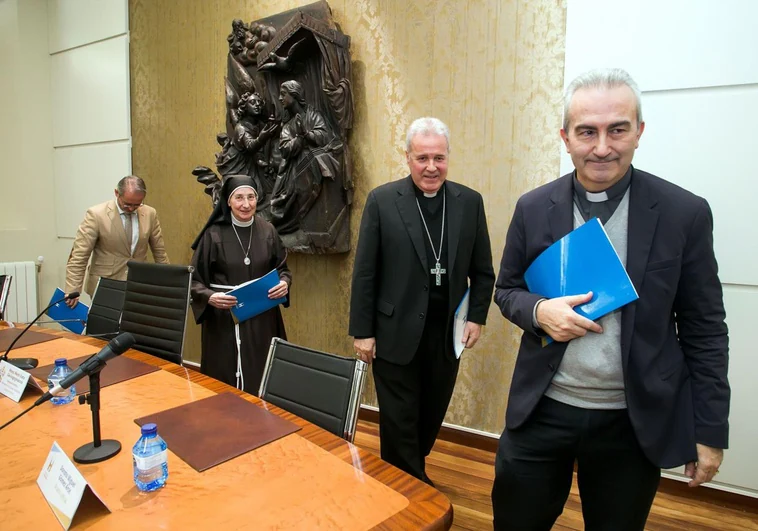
column 65, row 133
column 27, row 202
column 696, row 65
column 89, row 50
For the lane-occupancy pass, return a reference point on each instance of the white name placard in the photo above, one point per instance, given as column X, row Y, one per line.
column 64, row 487
column 17, row 381
column 13, row 381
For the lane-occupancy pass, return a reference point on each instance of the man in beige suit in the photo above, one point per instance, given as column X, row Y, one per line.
column 113, row 233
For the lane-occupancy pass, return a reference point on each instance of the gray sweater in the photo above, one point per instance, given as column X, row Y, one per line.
column 590, row 375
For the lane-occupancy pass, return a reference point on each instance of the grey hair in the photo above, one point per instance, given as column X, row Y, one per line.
column 427, row 126
column 131, row 182
column 601, row 78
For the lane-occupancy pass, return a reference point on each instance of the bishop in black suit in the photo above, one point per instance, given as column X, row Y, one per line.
column 423, row 241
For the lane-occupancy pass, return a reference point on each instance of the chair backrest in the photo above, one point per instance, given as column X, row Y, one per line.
column 104, row 314
column 319, row 387
column 155, row 307
column 5, row 288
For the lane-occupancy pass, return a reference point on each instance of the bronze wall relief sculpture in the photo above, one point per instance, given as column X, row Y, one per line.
column 289, row 111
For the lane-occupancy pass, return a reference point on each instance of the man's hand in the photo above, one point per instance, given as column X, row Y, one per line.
column 471, row 333
column 222, row 301
column 365, row 349
column 71, row 303
column 706, row 467
column 559, row 320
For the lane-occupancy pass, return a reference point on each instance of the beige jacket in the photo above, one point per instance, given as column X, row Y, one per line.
column 101, row 236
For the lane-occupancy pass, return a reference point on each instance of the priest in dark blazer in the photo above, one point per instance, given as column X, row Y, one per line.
column 423, row 242
column 643, row 388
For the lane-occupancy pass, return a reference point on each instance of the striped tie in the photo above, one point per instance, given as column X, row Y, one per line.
column 128, row 229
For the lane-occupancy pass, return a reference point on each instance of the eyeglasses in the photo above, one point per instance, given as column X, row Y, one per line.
column 124, row 204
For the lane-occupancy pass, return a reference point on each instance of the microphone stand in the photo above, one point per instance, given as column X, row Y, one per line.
column 22, row 363
column 98, row 450
column 30, row 363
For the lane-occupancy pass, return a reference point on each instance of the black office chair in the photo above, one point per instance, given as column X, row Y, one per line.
column 321, row 388
column 5, row 289
column 155, row 307
column 104, row 314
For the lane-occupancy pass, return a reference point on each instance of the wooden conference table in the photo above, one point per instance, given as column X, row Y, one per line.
column 308, row 480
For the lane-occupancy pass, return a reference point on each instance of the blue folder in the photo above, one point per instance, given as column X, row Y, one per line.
column 252, row 297
column 459, row 323
column 583, row 260
column 72, row 318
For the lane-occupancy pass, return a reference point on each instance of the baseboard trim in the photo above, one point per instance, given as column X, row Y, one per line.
column 454, row 434
column 669, row 485
column 712, row 494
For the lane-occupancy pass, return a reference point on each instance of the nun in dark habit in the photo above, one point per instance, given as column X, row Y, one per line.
column 234, row 247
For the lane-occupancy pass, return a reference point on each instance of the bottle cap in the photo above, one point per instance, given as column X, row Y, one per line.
column 61, row 362
column 149, row 429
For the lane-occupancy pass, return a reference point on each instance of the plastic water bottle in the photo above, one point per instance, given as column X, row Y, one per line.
column 150, row 457
column 60, row 371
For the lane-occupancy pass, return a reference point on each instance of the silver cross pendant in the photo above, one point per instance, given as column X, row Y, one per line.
column 438, row 272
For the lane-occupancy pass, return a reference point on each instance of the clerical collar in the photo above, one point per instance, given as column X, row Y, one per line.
column 425, row 195
column 239, row 223
column 614, row 191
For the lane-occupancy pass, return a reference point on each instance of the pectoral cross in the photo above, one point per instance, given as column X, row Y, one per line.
column 438, row 271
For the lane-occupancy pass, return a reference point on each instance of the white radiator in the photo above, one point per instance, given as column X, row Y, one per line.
column 22, row 299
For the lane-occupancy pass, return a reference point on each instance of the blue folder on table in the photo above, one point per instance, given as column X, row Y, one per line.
column 583, row 260
column 252, row 297
column 72, row 318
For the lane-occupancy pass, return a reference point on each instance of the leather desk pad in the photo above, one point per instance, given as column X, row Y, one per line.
column 30, row 338
column 117, row 370
column 208, row 432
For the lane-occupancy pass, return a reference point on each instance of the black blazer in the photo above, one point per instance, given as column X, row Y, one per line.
column 390, row 293
column 673, row 338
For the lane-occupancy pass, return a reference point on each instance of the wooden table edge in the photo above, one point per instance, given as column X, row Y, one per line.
column 427, row 507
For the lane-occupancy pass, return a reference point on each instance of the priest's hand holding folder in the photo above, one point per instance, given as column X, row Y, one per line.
column 558, row 319
column 582, row 279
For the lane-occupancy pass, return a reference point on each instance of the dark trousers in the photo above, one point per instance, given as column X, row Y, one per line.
column 535, row 463
column 413, row 400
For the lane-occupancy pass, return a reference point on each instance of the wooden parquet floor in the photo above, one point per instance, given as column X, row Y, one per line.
column 465, row 476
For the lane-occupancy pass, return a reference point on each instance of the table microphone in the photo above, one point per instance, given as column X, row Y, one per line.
column 117, row 346
column 30, row 363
